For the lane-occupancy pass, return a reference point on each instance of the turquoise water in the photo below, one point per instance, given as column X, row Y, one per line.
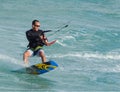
column 87, row 51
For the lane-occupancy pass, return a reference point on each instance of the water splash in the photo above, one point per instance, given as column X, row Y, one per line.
column 11, row 59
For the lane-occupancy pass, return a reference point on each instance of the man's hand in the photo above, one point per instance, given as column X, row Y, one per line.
column 50, row 43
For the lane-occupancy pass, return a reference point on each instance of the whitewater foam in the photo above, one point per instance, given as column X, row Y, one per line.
column 10, row 59
column 88, row 56
column 60, row 43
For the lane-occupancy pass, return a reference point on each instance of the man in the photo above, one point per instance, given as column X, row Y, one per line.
column 37, row 40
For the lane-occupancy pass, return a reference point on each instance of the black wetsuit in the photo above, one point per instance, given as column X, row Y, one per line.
column 34, row 38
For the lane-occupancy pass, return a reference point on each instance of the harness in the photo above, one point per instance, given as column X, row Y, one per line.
column 35, row 42
column 35, row 50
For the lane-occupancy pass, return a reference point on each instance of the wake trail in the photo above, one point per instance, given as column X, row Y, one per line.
column 11, row 59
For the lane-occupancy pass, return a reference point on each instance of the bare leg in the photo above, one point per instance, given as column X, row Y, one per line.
column 43, row 57
column 25, row 57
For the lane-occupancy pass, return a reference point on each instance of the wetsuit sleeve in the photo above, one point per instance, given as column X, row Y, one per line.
column 44, row 37
column 28, row 36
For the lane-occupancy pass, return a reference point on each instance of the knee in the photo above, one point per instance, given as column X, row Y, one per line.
column 41, row 53
column 26, row 54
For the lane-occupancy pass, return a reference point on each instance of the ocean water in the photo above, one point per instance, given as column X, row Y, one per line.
column 87, row 51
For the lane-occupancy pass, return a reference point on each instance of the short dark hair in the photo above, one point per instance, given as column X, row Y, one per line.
column 33, row 22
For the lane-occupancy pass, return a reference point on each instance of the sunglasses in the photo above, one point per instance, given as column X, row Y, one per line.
column 37, row 25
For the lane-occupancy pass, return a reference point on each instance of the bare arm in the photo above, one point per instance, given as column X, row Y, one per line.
column 49, row 43
column 46, row 41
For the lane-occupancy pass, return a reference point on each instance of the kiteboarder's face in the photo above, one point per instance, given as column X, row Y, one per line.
column 36, row 26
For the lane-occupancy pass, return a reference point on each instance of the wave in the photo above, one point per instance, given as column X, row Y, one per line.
column 10, row 59
column 88, row 56
column 115, row 69
column 62, row 44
